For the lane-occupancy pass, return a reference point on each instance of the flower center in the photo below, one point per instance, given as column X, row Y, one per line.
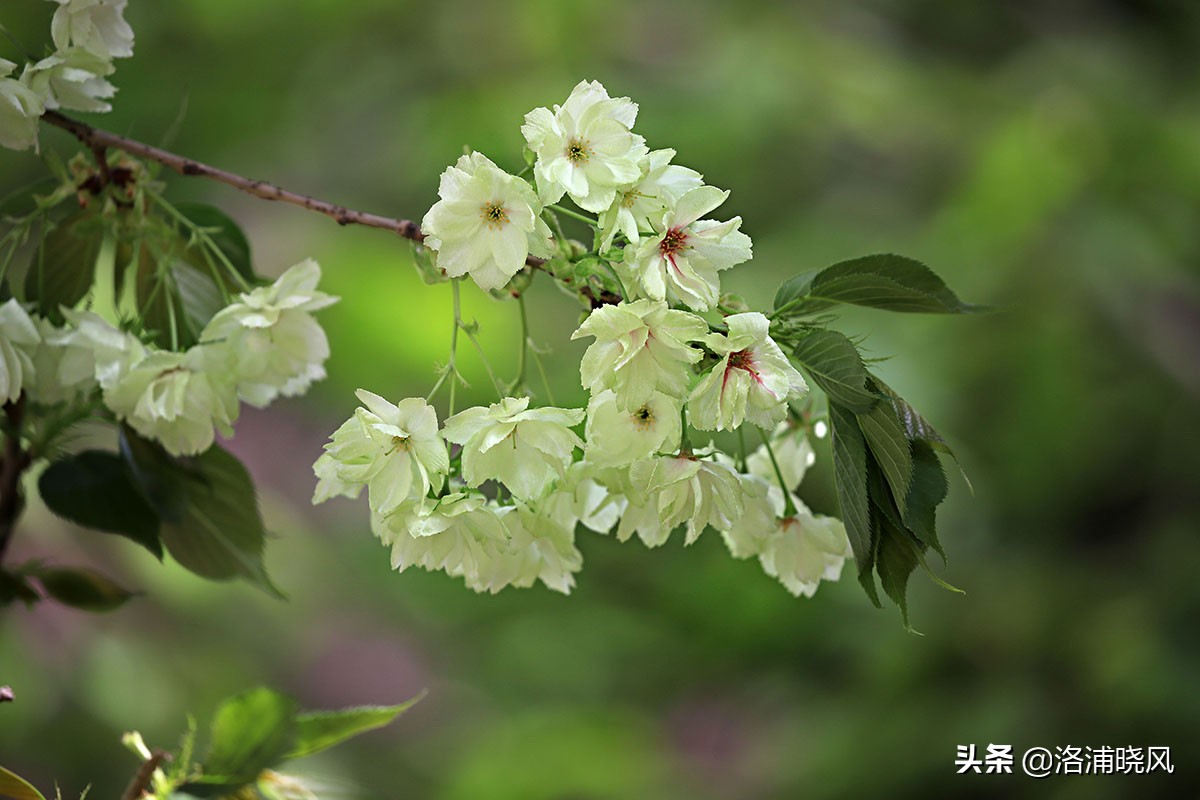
column 494, row 214
column 398, row 443
column 578, row 151
column 742, row 359
column 674, row 241
column 643, row 418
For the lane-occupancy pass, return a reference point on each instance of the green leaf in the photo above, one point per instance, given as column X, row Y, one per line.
column 320, row 730
column 209, row 510
column 82, row 588
column 850, row 482
column 928, row 490
column 427, row 266
column 834, row 364
column 895, row 561
column 15, row 787
column 250, row 732
column 64, row 267
column 226, row 234
column 888, row 444
column 95, row 489
column 884, row 281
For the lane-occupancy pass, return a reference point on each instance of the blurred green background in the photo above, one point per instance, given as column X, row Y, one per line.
column 1044, row 157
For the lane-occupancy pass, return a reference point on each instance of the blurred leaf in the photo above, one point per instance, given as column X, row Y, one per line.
column 82, row 588
column 209, row 510
column 15, row 787
column 21, row 201
column 95, row 489
column 15, row 586
column 885, row 437
column 320, row 730
column 250, row 732
column 884, row 281
column 834, row 364
column 64, row 268
column 850, row 482
column 225, row 233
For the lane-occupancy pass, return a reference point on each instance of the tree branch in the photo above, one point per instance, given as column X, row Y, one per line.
column 98, row 139
column 141, row 780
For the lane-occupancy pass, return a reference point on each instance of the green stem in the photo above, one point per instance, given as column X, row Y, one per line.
column 451, row 369
column 574, row 215
column 621, row 284
column 519, row 382
column 789, row 508
column 201, row 234
column 685, row 442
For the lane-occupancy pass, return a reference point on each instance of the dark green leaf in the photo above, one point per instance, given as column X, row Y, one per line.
column 226, row 234
column 928, row 490
column 850, row 481
column 888, row 444
column 83, row 588
column 23, row 200
column 64, row 268
column 96, row 490
column 251, row 731
column 884, row 281
column 15, row 787
column 209, row 510
column 834, row 364
column 895, row 561
column 320, row 730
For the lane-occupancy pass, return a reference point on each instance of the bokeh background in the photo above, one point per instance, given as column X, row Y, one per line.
column 1043, row 157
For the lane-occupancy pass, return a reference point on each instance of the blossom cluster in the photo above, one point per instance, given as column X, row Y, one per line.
column 263, row 345
column 495, row 494
column 87, row 36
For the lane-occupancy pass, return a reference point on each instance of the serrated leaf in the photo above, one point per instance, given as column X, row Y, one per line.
column 850, row 482
column 250, row 732
column 928, row 490
column 320, row 730
column 225, row 233
column 14, row 787
column 884, row 281
column 895, row 561
column 890, row 447
column 64, row 267
column 209, row 510
column 834, row 364
column 82, row 588
column 95, row 489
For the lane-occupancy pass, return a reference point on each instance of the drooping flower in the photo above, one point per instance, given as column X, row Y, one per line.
column 72, row 79
column 585, row 147
column 748, row 534
column 97, row 26
column 486, row 223
column 683, row 259
column 279, row 349
column 462, row 534
column 20, row 108
column 793, row 453
column 805, row 549
column 18, row 336
column 670, row 491
column 177, row 398
column 616, row 436
column 641, row 347
column 582, row 497
column 523, row 448
column 542, row 549
column 111, row 352
column 636, row 209
column 393, row 450
column 753, row 380
column 63, row 364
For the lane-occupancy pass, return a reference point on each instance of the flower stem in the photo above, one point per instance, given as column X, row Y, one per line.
column 519, row 381
column 620, row 284
column 789, row 508
column 574, row 215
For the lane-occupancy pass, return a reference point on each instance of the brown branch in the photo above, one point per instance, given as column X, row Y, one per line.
column 141, row 781
column 98, row 139
column 12, row 466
